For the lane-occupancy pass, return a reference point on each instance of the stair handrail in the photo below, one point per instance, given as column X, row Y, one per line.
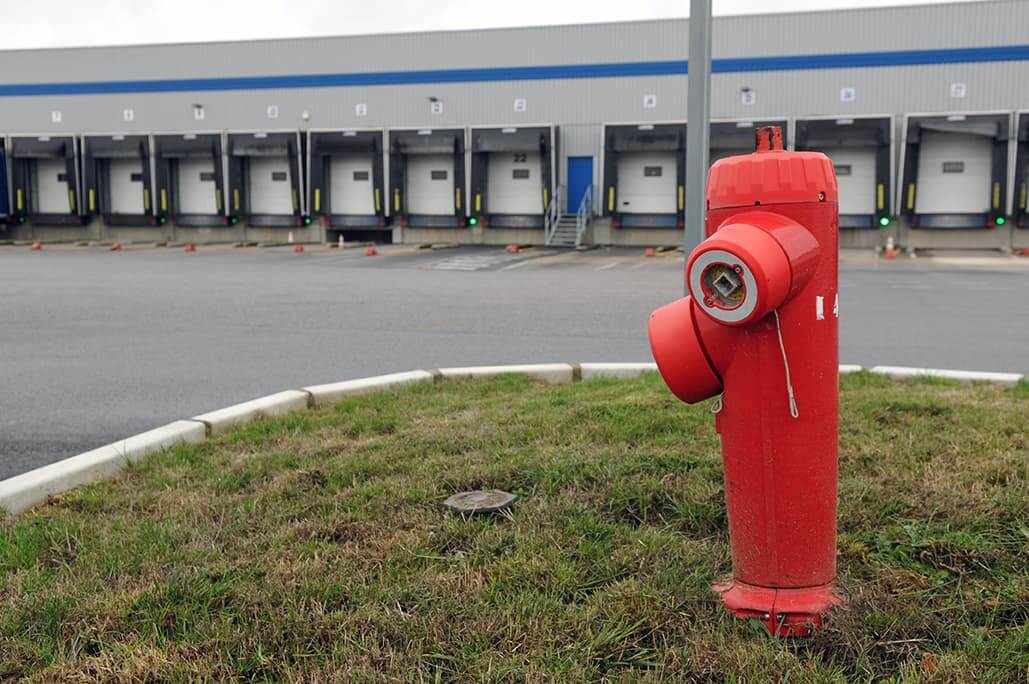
column 582, row 216
column 553, row 214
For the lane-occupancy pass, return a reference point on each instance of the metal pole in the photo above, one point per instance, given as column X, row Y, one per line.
column 698, row 121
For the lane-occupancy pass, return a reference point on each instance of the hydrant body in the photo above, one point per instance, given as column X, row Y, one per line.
column 760, row 327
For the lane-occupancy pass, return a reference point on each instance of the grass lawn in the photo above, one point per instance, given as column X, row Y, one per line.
column 315, row 547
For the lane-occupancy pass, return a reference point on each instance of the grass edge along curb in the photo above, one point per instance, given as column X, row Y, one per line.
column 21, row 492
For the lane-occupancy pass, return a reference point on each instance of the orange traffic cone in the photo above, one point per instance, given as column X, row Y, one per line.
column 37, row 246
column 298, row 248
column 190, row 247
column 371, row 251
column 512, row 249
column 649, row 252
column 116, row 247
column 890, row 252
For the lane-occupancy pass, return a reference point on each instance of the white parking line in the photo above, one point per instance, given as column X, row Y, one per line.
column 517, row 264
column 607, row 266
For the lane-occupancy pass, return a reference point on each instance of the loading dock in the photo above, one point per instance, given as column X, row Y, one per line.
column 5, row 202
column 732, row 137
column 427, row 177
column 861, row 149
column 116, row 177
column 46, row 179
column 347, row 179
column 1021, row 213
column 955, row 171
column 645, row 175
column 190, row 179
column 264, row 178
column 512, row 175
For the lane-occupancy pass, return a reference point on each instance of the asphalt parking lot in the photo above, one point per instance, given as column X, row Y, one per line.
column 96, row 345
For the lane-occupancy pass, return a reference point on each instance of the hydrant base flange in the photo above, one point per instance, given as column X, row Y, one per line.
column 784, row 612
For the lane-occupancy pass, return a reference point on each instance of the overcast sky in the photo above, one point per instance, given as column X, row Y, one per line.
column 62, row 23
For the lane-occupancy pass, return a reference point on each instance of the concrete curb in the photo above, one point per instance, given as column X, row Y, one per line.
column 902, row 372
column 28, row 489
column 326, row 394
column 229, row 417
column 551, row 373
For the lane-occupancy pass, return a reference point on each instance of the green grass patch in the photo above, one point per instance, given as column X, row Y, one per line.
column 315, row 547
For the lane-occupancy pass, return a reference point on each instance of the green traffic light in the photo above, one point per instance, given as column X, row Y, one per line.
column 884, row 221
column 1000, row 220
column 472, row 221
column 307, row 220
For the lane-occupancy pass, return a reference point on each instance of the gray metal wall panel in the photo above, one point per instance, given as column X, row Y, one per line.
column 861, row 30
column 893, row 90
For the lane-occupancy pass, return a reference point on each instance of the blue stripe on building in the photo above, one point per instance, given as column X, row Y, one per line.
column 848, row 60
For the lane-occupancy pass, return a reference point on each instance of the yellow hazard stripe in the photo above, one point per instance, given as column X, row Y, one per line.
column 317, row 199
column 378, row 200
column 457, row 198
column 478, row 201
column 146, row 199
column 92, row 199
column 294, row 200
column 546, row 199
column 1021, row 202
column 21, row 199
column 71, row 200
column 235, row 198
column 396, row 200
column 911, row 196
column 164, row 199
column 218, row 199
column 996, row 195
column 880, row 195
column 682, row 197
column 611, row 198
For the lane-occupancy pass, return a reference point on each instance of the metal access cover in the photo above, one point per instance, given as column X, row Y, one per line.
column 480, row 501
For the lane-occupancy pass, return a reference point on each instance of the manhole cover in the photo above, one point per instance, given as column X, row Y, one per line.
column 480, row 501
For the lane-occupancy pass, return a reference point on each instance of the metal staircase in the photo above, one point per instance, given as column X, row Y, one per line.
column 562, row 229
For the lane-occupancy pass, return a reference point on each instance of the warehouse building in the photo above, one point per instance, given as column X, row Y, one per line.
column 559, row 135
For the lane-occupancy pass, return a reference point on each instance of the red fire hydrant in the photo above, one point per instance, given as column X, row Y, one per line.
column 760, row 328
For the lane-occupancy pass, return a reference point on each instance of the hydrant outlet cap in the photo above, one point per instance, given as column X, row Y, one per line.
column 679, row 355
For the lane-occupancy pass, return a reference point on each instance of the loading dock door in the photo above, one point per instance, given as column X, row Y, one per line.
column 51, row 183
column 351, row 190
column 855, row 173
column 270, row 187
column 430, row 184
column 514, row 183
column 195, row 183
column 954, row 172
column 125, row 178
column 647, row 183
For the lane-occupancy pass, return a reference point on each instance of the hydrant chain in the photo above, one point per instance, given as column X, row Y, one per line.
column 786, row 364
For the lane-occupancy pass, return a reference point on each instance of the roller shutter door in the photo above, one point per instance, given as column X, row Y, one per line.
column 271, row 191
column 430, row 184
column 855, row 173
column 195, row 183
column 125, row 177
column 647, row 183
column 514, row 183
column 51, row 183
column 351, row 186
column 953, row 173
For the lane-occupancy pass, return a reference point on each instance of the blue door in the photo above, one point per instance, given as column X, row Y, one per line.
column 580, row 177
